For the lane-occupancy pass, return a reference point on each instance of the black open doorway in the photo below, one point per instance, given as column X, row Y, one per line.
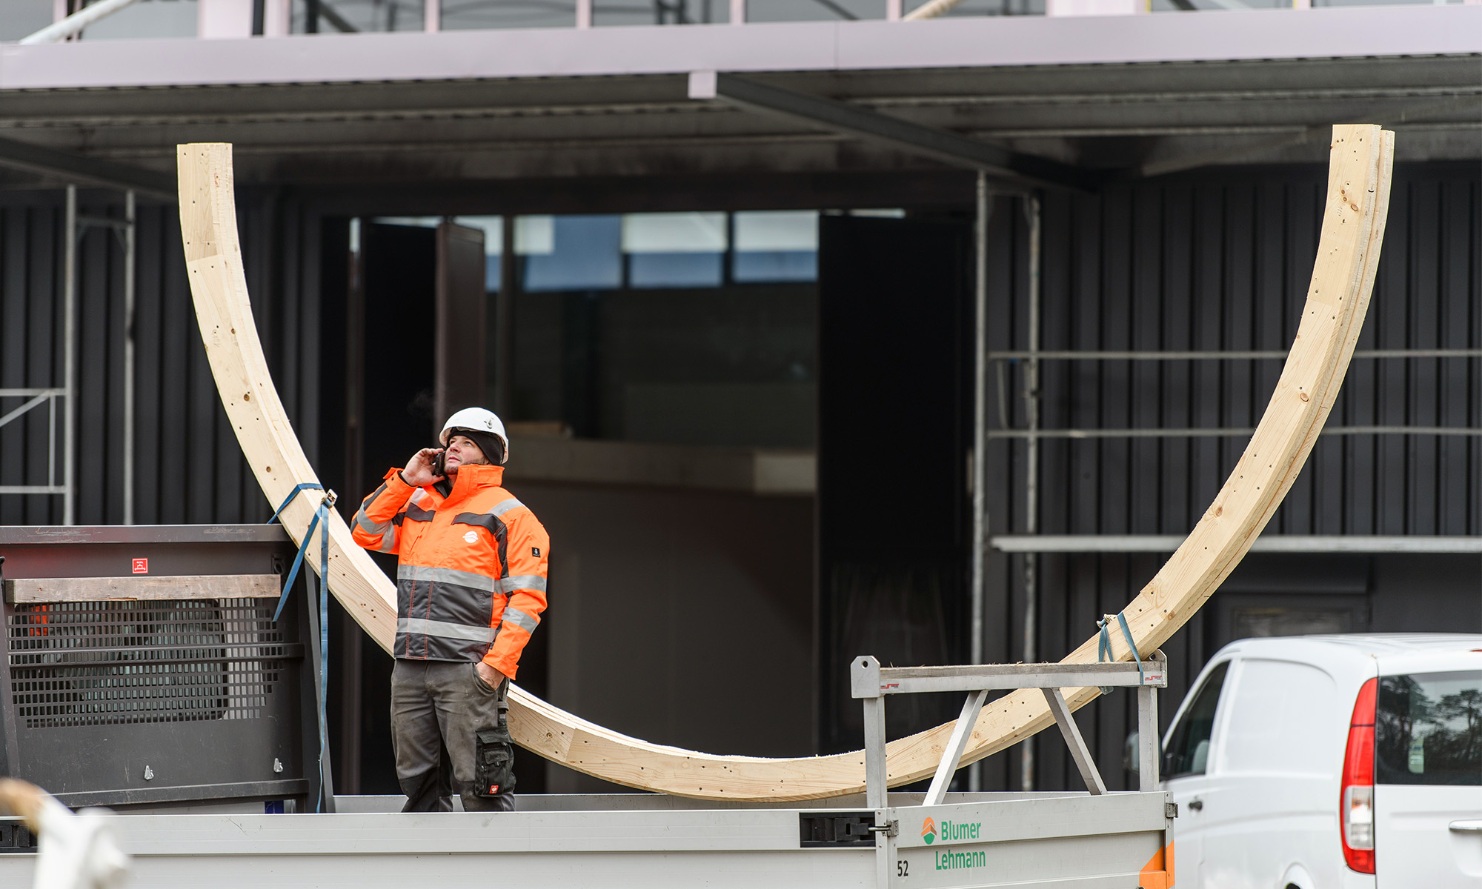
column 894, row 439
column 415, row 333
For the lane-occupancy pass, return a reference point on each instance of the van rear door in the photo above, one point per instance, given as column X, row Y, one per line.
column 1428, row 777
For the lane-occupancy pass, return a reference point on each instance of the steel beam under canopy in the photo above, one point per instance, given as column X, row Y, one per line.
column 1007, row 167
column 82, row 170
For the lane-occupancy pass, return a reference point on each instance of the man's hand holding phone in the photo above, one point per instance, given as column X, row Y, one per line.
column 425, row 467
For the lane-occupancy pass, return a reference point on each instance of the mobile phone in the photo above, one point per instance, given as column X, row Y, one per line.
column 437, row 464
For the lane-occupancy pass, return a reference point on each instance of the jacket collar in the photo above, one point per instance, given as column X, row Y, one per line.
column 476, row 476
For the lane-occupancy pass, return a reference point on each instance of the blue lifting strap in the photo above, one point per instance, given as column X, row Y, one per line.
column 320, row 521
column 1103, row 646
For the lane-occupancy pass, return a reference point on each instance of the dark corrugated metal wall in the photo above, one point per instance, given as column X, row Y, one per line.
column 30, row 317
column 1217, row 263
column 188, row 466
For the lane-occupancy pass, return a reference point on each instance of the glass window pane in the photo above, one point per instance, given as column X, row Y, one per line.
column 813, row 10
column 660, row 12
column 467, row 15
column 674, row 233
column 586, row 254
column 23, row 18
column 776, row 246
column 984, row 7
column 774, row 266
column 649, row 270
column 151, row 18
column 1219, row 5
column 1188, row 742
column 356, row 16
column 533, row 234
column 1428, row 729
column 789, row 230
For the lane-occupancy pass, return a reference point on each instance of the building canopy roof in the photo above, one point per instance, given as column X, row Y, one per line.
column 1035, row 101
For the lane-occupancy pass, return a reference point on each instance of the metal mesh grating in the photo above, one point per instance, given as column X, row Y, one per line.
column 115, row 663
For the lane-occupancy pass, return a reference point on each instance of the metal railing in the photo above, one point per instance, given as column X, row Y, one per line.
column 1031, row 359
column 35, row 398
column 280, row 18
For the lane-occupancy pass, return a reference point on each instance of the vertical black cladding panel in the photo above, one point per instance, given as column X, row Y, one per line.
column 187, row 464
column 895, row 408
column 1117, row 319
column 14, row 316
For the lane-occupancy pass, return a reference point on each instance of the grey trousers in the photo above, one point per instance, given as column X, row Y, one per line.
column 437, row 709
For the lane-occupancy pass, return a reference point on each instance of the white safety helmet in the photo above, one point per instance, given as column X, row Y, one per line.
column 476, row 419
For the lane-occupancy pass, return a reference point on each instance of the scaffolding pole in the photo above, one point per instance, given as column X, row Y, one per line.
column 69, row 358
column 980, row 435
column 1031, row 467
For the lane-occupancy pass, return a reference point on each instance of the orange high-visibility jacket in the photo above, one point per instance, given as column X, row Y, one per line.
column 471, row 578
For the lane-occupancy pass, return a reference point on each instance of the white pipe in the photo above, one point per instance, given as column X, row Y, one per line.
column 57, row 31
column 932, row 10
column 277, row 16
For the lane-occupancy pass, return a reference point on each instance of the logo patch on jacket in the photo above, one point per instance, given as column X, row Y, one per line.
column 535, row 551
column 471, row 537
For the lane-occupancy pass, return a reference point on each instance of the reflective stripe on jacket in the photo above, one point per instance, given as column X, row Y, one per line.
column 471, row 578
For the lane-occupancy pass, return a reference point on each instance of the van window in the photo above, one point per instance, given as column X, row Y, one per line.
column 1188, row 742
column 1428, row 729
column 1279, row 718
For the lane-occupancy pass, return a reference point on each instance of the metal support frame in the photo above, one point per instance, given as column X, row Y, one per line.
column 1228, row 432
column 872, row 683
column 130, row 249
column 979, row 548
column 37, row 397
column 1032, row 357
column 1248, row 355
column 69, row 359
column 75, row 225
column 1266, row 543
column 1012, row 168
column 1077, row 744
column 86, row 170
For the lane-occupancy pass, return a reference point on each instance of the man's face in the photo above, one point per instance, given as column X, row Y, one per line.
column 461, row 451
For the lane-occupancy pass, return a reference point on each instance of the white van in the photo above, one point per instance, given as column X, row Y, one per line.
column 1320, row 762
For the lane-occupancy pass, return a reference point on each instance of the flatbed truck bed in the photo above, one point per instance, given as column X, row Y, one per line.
column 1093, row 839
column 1069, row 840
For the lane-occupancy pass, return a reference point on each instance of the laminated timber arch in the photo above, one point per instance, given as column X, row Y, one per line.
column 1337, row 300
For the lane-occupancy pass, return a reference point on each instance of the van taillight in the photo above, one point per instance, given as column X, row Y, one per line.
column 1356, row 808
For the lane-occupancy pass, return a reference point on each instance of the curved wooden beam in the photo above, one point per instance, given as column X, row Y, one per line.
column 1337, row 300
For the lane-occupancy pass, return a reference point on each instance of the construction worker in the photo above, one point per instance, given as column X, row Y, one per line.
column 470, row 587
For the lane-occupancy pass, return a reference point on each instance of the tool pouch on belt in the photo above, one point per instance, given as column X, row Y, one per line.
column 494, row 765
